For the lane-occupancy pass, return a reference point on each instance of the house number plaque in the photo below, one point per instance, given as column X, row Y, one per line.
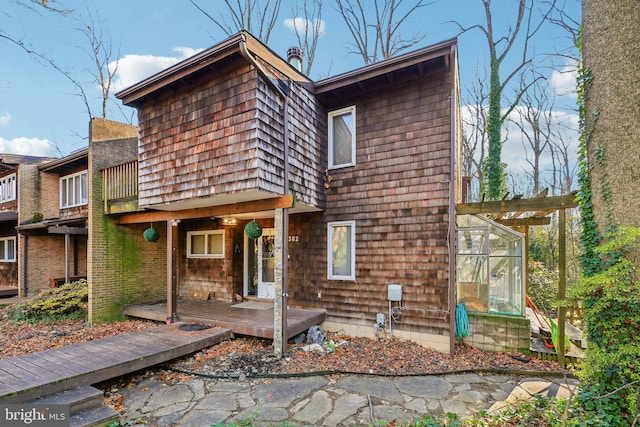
column 293, row 239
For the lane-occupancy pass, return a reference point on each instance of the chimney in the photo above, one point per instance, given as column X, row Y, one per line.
column 294, row 57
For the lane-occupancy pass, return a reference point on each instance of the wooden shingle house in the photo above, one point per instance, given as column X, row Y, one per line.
column 253, row 182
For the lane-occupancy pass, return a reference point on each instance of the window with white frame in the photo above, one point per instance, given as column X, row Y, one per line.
column 8, row 249
column 341, row 259
column 8, row 188
column 74, row 190
column 342, row 137
column 205, row 244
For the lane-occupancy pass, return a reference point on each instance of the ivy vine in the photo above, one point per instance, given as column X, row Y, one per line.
column 590, row 237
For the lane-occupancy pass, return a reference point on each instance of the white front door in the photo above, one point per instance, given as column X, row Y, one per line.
column 266, row 264
column 260, row 265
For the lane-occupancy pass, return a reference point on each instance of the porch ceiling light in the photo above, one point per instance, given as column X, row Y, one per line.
column 229, row 221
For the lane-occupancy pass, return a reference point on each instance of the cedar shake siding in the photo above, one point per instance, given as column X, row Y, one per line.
column 398, row 195
column 223, row 137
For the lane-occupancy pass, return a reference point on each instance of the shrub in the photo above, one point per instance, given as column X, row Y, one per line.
column 610, row 372
column 68, row 301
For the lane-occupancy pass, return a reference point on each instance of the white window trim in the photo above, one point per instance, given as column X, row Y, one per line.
column 5, row 241
column 340, row 112
column 206, row 243
column 8, row 184
column 330, row 227
column 63, row 181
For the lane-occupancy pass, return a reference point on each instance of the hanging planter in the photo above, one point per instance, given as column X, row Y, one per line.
column 151, row 234
column 253, row 230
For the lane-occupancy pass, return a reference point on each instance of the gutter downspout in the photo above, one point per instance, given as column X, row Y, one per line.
column 285, row 220
column 452, row 205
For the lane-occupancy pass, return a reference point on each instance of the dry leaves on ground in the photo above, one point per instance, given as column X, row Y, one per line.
column 254, row 356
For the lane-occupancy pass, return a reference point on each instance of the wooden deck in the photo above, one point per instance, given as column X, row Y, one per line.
column 47, row 372
column 8, row 291
column 242, row 321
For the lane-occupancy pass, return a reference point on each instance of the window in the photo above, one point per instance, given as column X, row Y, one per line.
column 8, row 188
column 342, row 137
column 7, row 249
column 341, row 260
column 73, row 190
column 205, row 244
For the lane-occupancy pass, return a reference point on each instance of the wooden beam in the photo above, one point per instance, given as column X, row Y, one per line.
column 287, row 201
column 524, row 205
column 522, row 222
column 55, row 229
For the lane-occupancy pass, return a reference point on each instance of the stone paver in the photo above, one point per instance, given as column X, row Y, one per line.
column 330, row 401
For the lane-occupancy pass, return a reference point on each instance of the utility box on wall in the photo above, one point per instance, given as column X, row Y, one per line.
column 394, row 292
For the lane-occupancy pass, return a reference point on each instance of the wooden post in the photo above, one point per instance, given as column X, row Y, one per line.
column 67, row 257
column 279, row 308
column 172, row 269
column 562, row 259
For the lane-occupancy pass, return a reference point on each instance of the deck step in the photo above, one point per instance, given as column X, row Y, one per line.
column 97, row 416
column 86, row 406
column 78, row 399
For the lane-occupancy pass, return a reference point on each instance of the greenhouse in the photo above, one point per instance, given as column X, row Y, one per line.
column 490, row 267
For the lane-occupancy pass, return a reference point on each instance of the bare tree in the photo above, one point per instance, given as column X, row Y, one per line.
column 255, row 16
column 534, row 119
column 379, row 36
column 102, row 54
column 527, row 22
column 474, row 139
column 308, row 26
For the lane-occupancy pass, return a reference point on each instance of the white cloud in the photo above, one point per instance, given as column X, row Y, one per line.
column 134, row 68
column 299, row 24
column 27, row 146
column 5, row 119
column 564, row 81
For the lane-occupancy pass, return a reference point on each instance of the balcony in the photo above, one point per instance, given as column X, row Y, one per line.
column 120, row 188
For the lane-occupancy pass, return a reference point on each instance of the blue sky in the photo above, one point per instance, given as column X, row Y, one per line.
column 41, row 114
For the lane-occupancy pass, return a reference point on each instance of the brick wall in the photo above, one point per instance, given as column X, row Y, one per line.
column 123, row 267
column 492, row 332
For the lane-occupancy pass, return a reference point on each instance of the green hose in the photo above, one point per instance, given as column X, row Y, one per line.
column 462, row 322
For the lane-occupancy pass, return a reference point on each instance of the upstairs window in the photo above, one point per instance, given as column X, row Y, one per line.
column 205, row 244
column 7, row 249
column 341, row 260
column 74, row 190
column 342, row 138
column 8, row 188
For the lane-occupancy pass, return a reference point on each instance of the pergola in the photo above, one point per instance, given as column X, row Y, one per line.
column 521, row 213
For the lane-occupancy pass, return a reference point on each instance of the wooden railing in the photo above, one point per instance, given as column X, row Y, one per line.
column 120, row 182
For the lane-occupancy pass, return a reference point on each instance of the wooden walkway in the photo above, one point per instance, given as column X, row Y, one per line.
column 242, row 321
column 47, row 372
column 8, row 291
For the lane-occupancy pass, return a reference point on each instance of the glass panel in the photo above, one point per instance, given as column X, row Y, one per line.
column 198, row 244
column 76, row 190
column 3, row 253
column 505, row 285
column 504, row 242
column 11, row 249
column 215, row 244
column 471, row 273
column 268, row 259
column 83, row 188
column 472, row 241
column 63, row 193
column 342, row 139
column 341, row 251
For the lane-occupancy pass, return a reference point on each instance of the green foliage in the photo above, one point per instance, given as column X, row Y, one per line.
column 611, row 301
column 66, row 302
column 543, row 286
column 590, row 237
column 495, row 172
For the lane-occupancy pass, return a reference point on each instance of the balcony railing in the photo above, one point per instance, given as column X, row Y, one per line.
column 120, row 187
